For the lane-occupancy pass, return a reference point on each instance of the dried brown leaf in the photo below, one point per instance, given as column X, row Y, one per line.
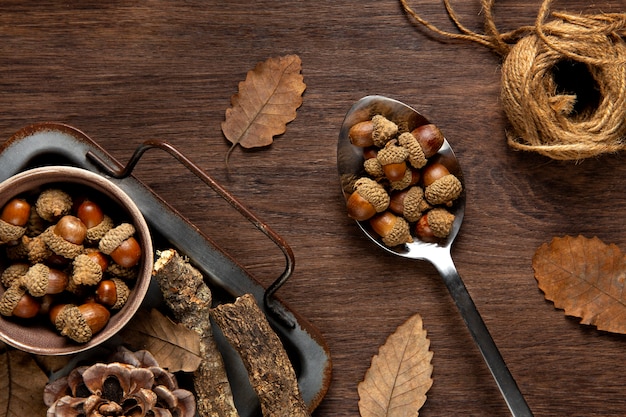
column 585, row 278
column 266, row 101
column 400, row 375
column 173, row 345
column 21, row 384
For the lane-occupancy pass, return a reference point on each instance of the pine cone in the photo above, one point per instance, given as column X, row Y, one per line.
column 132, row 384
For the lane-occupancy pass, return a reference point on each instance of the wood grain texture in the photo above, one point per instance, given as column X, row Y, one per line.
column 125, row 72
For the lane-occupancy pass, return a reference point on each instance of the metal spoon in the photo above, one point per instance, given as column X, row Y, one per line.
column 350, row 165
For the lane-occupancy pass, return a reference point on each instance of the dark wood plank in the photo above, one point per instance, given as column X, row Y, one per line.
column 125, row 72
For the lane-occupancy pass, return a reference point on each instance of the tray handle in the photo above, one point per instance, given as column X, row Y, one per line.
column 268, row 295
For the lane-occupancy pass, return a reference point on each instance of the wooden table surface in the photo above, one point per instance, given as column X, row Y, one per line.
column 125, row 72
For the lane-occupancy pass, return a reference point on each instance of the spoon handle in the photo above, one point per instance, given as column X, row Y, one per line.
column 508, row 387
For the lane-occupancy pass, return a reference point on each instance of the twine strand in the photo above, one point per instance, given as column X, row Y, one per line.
column 543, row 118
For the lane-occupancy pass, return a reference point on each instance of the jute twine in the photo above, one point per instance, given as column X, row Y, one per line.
column 542, row 118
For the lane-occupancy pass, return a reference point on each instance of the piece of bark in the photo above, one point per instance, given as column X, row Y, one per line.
column 189, row 299
column 269, row 369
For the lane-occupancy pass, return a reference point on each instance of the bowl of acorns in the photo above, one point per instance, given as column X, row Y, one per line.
column 75, row 260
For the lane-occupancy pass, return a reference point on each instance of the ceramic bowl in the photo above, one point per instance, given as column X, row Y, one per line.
column 38, row 335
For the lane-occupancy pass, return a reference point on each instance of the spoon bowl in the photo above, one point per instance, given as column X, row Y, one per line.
column 350, row 165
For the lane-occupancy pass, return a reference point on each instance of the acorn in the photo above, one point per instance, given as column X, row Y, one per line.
column 52, row 204
column 88, row 268
column 121, row 246
column 436, row 223
column 98, row 257
column 394, row 230
column 409, row 203
column 16, row 212
column 13, row 219
column 429, row 137
column 15, row 301
column 411, row 177
column 393, row 160
column 80, row 323
column 66, row 237
column 72, row 229
column 94, row 219
column 368, row 198
column 128, row 253
column 360, row 134
column 383, row 130
column 112, row 293
column 441, row 187
column 416, row 157
column 41, row 279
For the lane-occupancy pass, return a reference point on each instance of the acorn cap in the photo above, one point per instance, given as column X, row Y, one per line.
column 17, row 251
column 36, row 280
column 38, row 250
column 59, row 245
column 384, row 129
column 416, row 157
column 94, row 234
column 36, row 225
column 444, row 190
column 85, row 271
column 122, row 293
column 400, row 233
column 10, row 298
column 372, row 192
column 13, row 273
column 392, row 154
column 76, row 289
column 114, row 237
column 10, row 232
column 33, row 249
column 414, row 204
column 119, row 271
column 53, row 204
column 440, row 221
column 70, row 322
column 373, row 168
column 404, row 182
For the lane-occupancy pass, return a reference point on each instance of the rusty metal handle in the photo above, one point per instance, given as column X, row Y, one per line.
column 125, row 171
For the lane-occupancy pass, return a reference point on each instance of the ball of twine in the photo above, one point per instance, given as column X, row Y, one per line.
column 544, row 118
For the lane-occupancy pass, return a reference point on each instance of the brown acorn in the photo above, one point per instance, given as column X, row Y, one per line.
column 429, row 137
column 15, row 301
column 112, row 293
column 394, row 230
column 80, row 323
column 121, row 246
column 393, row 160
column 436, row 223
column 441, row 187
column 368, row 198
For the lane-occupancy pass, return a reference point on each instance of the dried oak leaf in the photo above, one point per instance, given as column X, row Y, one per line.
column 21, row 384
column 174, row 347
column 400, row 375
column 266, row 101
column 586, row 279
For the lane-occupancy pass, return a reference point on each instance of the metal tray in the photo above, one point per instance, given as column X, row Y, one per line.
column 59, row 144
